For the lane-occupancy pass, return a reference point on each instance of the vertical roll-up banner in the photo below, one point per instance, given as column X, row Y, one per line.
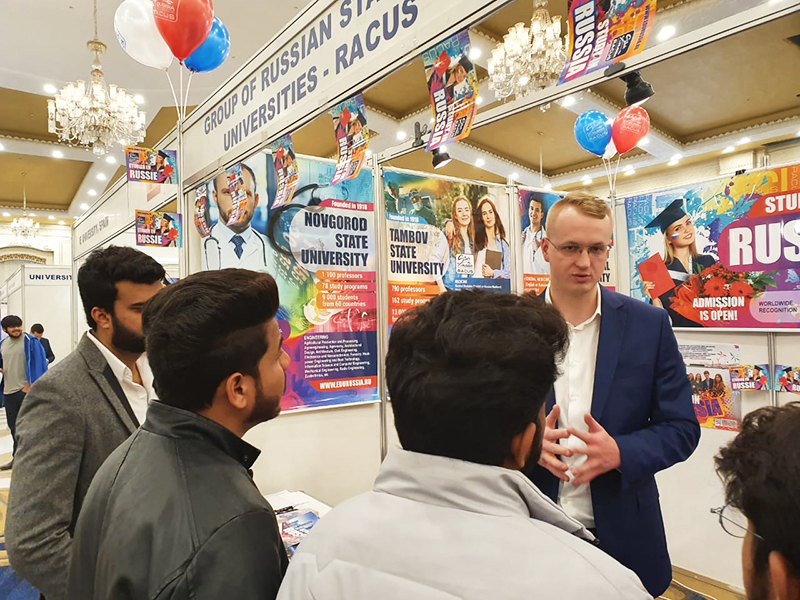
column 352, row 137
column 285, row 164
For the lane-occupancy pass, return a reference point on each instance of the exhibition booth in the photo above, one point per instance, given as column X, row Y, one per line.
column 352, row 251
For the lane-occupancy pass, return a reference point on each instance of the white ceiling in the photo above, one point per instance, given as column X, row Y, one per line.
column 44, row 41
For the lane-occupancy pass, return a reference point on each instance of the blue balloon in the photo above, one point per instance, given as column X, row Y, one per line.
column 212, row 52
column 593, row 132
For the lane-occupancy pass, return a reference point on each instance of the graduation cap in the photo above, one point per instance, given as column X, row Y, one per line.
column 167, row 218
column 464, row 62
column 290, row 152
column 163, row 154
column 674, row 212
column 360, row 116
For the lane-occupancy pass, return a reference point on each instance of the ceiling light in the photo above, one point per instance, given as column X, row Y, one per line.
column 587, row 181
column 92, row 193
column 2, row 147
column 644, row 141
column 568, row 101
column 638, row 90
column 666, row 32
column 49, row 88
column 744, row 140
column 139, row 99
column 548, row 187
column 479, row 100
column 51, row 217
column 401, row 135
column 368, row 153
column 728, row 150
column 530, row 58
column 433, row 120
column 31, row 214
column 111, row 160
column 676, row 157
column 673, row 162
column 57, row 154
column 61, row 223
column 474, row 53
column 480, row 162
column 440, row 158
column 101, row 176
column 629, row 171
column 515, row 176
column 6, row 214
column 84, row 206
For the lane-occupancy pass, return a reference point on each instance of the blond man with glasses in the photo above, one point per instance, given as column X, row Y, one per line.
column 621, row 410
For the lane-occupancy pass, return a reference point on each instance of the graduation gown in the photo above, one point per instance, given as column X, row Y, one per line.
column 679, row 276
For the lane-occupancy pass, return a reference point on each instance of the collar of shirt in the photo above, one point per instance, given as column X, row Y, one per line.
column 597, row 311
column 226, row 235
column 121, row 370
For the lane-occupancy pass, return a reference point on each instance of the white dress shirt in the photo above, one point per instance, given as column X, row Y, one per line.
column 219, row 250
column 574, row 390
column 139, row 396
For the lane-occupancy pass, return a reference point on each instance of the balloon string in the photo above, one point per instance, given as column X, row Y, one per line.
column 174, row 96
column 186, row 98
column 607, row 169
column 180, row 95
column 616, row 173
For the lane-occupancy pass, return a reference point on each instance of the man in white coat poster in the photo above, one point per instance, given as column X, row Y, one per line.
column 451, row 515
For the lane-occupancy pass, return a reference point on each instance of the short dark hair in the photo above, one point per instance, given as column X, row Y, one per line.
column 470, row 370
column 10, row 321
column 761, row 472
column 201, row 330
column 37, row 328
column 99, row 275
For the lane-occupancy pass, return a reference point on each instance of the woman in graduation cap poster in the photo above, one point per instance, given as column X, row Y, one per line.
column 680, row 257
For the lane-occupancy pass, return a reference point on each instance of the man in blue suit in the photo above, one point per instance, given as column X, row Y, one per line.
column 621, row 410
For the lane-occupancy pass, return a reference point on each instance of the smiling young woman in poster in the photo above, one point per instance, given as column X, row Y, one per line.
column 493, row 259
column 460, row 260
column 681, row 257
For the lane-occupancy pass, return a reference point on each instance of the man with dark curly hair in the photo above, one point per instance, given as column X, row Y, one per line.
column 761, row 472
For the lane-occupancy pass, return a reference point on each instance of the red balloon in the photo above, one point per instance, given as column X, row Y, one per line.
column 184, row 24
column 630, row 126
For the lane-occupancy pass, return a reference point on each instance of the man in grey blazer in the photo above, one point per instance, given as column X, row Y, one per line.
column 75, row 416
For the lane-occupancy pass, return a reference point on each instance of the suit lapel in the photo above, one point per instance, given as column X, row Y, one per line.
column 102, row 374
column 609, row 345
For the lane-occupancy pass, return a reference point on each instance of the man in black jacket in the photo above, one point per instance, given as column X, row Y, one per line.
column 38, row 331
column 173, row 512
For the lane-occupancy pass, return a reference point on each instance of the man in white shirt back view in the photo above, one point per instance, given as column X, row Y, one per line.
column 451, row 515
column 77, row 414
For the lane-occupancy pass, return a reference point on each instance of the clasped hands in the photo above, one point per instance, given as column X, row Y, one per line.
column 602, row 452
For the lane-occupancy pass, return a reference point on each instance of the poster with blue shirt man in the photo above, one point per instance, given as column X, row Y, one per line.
column 234, row 243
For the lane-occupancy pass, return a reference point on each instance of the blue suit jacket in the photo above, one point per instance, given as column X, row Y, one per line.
column 644, row 401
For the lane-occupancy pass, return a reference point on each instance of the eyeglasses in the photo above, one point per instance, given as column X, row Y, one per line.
column 733, row 522
column 573, row 250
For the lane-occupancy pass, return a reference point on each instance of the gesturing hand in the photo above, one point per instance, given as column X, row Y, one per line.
column 551, row 447
column 602, row 452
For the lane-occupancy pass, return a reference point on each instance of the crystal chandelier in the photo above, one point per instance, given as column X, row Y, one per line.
column 24, row 227
column 97, row 114
column 528, row 59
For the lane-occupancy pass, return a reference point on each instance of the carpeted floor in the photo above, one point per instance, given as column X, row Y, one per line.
column 11, row 586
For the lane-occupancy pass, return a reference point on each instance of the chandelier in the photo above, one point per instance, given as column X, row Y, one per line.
column 95, row 114
column 528, row 59
column 24, row 227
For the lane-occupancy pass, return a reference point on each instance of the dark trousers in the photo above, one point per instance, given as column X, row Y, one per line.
column 13, row 404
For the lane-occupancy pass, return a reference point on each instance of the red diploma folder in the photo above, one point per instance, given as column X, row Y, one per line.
column 655, row 271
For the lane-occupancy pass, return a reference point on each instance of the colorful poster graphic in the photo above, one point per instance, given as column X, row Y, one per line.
column 453, row 89
column 750, row 378
column 787, row 379
column 534, row 207
column 153, row 166
column 158, row 229
column 352, row 137
column 237, row 193
column 285, row 169
column 202, row 221
column 605, row 32
column 444, row 235
column 724, row 253
column 716, row 404
column 320, row 248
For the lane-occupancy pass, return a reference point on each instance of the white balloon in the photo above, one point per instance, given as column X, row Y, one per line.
column 138, row 35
